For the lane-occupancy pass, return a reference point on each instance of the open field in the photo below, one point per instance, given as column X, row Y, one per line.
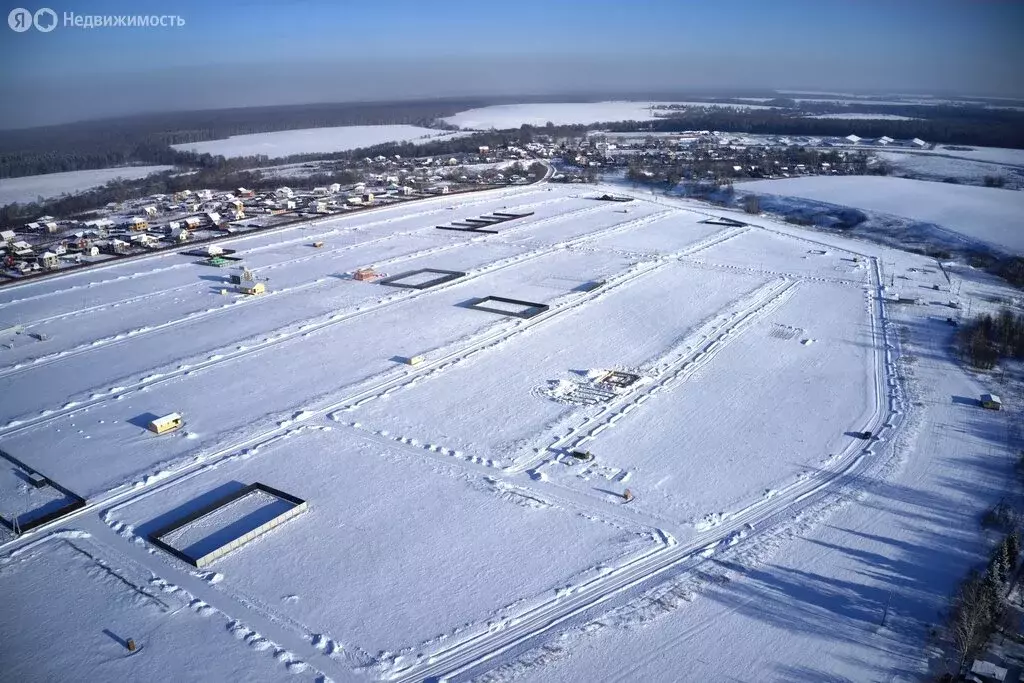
column 983, row 214
column 502, row 116
column 30, row 188
column 310, row 140
column 722, row 374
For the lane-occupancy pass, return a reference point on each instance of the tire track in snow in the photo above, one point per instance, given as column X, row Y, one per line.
column 765, row 300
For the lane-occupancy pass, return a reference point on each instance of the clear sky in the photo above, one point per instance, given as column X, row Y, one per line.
column 253, row 52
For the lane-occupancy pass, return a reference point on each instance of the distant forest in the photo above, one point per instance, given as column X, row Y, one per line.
column 944, row 125
column 147, row 138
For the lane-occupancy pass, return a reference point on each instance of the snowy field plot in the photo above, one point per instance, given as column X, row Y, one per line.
column 29, row 188
column 985, row 214
column 515, row 115
column 262, row 382
column 995, row 155
column 669, row 235
column 757, row 250
column 396, row 550
column 310, row 140
column 494, row 406
column 739, row 425
column 101, row 602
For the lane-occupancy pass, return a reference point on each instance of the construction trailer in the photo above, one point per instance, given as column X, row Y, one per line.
column 991, row 402
column 365, row 274
column 167, row 423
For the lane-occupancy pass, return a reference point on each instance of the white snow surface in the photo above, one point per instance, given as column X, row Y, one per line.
column 450, row 534
column 30, row 188
column 310, row 140
column 988, row 215
column 514, row 115
column 854, row 116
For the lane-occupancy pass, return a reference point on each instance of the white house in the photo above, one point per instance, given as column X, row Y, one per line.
column 317, row 206
column 7, row 236
column 205, row 195
column 334, row 187
column 854, row 139
column 48, row 260
column 149, row 210
column 918, row 142
column 213, row 217
column 21, row 248
column 283, row 192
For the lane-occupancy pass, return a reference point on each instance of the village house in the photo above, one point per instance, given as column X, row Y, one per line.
column 317, row 206
column 243, row 192
column 213, row 217
column 284, row 192
column 7, row 237
column 21, row 248
column 149, row 210
column 204, row 195
column 138, row 223
column 334, row 188
column 48, row 260
column 193, row 222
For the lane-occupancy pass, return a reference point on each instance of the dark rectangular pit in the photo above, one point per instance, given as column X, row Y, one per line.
column 50, row 508
column 514, row 307
column 443, row 276
column 201, row 545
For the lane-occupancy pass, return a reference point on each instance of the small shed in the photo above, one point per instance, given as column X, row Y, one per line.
column 252, row 288
column 991, row 401
column 167, row 423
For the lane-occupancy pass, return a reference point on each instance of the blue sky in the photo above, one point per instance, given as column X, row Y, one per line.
column 307, row 50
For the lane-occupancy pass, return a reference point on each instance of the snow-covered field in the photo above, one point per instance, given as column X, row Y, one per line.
column 30, row 188
column 310, row 140
column 450, row 532
column 854, row 116
column 503, row 116
column 981, row 214
column 938, row 166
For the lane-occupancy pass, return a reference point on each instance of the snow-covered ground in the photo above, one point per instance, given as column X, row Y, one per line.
column 981, row 214
column 940, row 167
column 853, row 116
column 450, row 531
column 310, row 140
column 503, row 116
column 30, row 188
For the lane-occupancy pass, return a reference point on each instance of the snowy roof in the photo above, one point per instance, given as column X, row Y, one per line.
column 988, row 670
column 853, row 138
column 919, row 141
column 991, row 398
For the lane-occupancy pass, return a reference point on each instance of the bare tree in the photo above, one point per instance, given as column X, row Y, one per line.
column 971, row 619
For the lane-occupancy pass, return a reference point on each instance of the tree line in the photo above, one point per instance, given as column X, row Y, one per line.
column 987, row 339
column 978, row 608
column 946, row 125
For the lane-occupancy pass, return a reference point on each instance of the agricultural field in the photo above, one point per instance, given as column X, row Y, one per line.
column 30, row 188
column 556, row 451
column 984, row 215
column 310, row 140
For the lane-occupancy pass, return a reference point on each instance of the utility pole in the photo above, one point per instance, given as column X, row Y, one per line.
column 885, row 613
